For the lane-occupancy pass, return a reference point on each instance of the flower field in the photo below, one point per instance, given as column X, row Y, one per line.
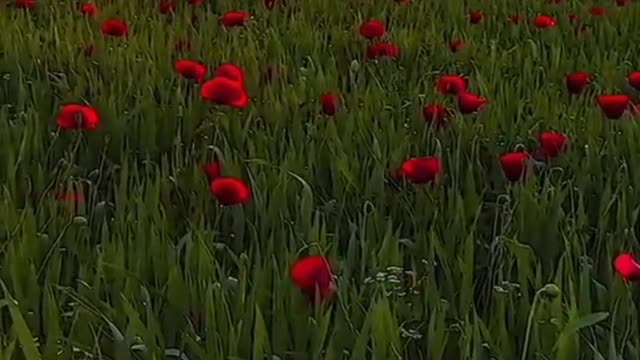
column 319, row 179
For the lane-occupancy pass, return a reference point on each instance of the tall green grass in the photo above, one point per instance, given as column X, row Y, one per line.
column 473, row 268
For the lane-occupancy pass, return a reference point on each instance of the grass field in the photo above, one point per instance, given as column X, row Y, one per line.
column 114, row 243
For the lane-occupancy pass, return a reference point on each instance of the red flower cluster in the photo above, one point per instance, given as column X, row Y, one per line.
column 227, row 87
column 376, row 29
column 228, row 190
column 439, row 115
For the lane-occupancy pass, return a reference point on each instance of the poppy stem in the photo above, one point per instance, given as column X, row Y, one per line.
column 527, row 336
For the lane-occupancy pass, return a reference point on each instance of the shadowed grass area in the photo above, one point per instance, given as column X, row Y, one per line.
column 147, row 265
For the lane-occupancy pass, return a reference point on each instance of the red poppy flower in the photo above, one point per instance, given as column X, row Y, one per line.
column 597, row 11
column 70, row 197
column 115, row 28
column 224, row 91
column 627, row 267
column 195, row 2
column 614, row 106
column 476, row 16
column 270, row 4
column 166, row 7
column 191, row 69
column 330, row 102
column 552, row 143
column 469, row 103
column 231, row 72
column 544, row 21
column 436, row 114
column 452, row 84
column 380, row 50
column 420, row 170
column 212, row 169
column 230, row 190
column 456, row 45
column 622, row 2
column 515, row 165
column 372, row 29
column 516, row 19
column 313, row 275
column 25, row 4
column 76, row 116
column 89, row 9
column 235, row 18
column 634, row 80
column 577, row 81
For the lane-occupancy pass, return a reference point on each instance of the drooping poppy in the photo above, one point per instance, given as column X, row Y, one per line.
column 544, row 21
column 191, row 69
column 469, row 103
column 372, row 29
column 167, row 7
column 224, row 91
column 382, row 50
column 476, row 16
column 452, row 84
column 436, row 114
column 314, row 276
column 622, row 2
column 420, row 170
column 634, row 80
column 195, row 2
column 577, row 81
column 115, row 28
column 235, row 18
column 552, row 144
column 270, row 4
column 515, row 165
column 613, row 106
column 89, row 9
column 230, row 190
column 627, row 267
column 456, row 45
column 212, row 169
column 78, row 116
column 330, row 102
